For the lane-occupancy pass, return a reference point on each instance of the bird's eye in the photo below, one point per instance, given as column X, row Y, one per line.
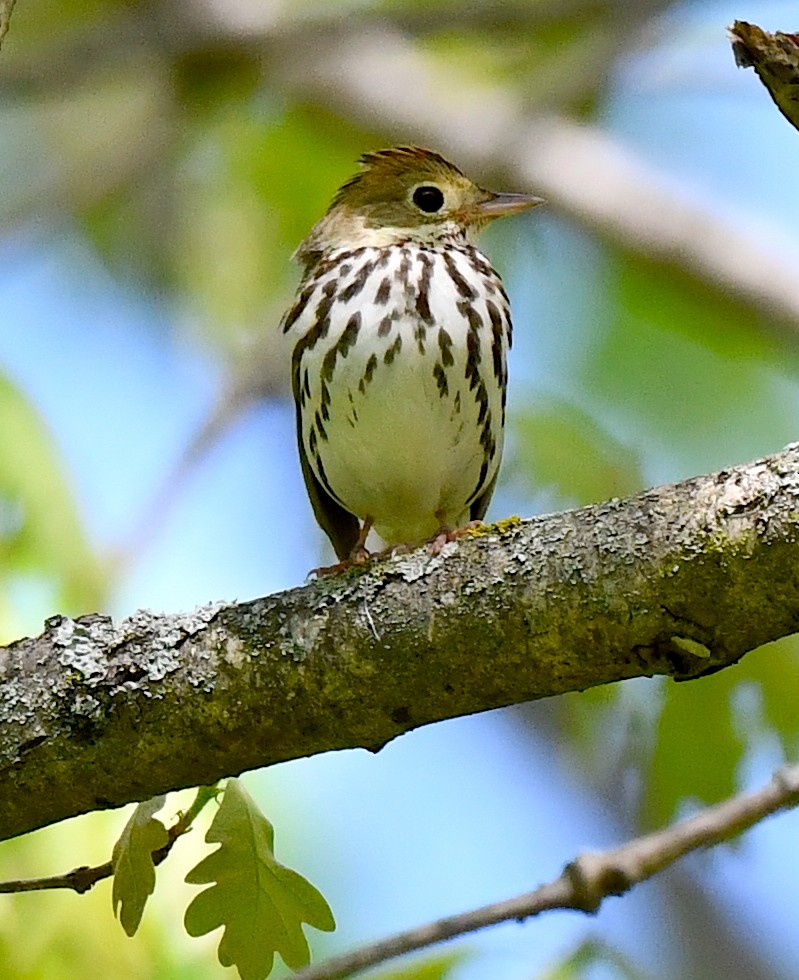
column 428, row 199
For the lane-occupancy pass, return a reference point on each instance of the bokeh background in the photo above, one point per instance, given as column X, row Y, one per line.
column 159, row 162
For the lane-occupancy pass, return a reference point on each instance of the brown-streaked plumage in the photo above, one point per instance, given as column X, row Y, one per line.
column 400, row 331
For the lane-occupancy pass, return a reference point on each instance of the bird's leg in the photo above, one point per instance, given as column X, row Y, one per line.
column 359, row 555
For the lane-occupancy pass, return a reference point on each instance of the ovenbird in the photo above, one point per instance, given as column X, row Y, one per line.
column 400, row 330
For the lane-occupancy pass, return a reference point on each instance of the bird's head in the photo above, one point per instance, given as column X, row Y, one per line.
column 408, row 194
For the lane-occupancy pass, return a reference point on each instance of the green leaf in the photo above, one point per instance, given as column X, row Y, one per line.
column 698, row 750
column 132, row 857
column 261, row 903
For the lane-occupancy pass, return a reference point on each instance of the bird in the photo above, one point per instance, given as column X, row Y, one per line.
column 399, row 333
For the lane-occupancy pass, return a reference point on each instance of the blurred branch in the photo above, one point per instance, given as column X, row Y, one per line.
column 381, row 79
column 544, row 36
column 6, row 9
column 712, row 943
column 775, row 58
column 680, row 580
column 586, row 882
column 254, row 18
column 368, row 69
column 264, row 376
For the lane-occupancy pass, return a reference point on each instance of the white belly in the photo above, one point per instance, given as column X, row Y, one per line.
column 400, row 452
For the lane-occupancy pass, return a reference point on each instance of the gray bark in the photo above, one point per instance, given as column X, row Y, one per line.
column 679, row 580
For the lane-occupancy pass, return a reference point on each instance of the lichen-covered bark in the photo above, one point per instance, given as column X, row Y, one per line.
column 680, row 580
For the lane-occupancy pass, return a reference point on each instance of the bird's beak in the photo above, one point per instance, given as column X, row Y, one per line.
column 499, row 205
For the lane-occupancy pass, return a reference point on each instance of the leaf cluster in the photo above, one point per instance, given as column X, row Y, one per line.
column 259, row 903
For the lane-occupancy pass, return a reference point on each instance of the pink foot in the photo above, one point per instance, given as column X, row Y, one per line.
column 445, row 535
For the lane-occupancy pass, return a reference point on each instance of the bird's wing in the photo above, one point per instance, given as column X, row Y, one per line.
column 338, row 524
column 479, row 505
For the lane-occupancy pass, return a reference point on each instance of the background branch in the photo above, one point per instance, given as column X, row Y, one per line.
column 586, row 882
column 6, row 9
column 379, row 77
column 679, row 580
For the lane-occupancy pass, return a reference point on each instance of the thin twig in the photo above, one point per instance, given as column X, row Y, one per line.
column 82, row 879
column 587, row 881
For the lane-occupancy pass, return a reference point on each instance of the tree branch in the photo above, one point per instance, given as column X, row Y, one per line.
column 587, row 881
column 679, row 580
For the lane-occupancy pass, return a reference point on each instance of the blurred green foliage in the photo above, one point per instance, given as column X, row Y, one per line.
column 583, row 963
column 42, row 540
column 437, row 967
column 565, row 449
column 76, row 935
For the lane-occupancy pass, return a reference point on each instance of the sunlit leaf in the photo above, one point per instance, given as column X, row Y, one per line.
column 261, row 904
column 134, row 872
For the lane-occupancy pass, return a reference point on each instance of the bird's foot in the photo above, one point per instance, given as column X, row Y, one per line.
column 442, row 537
column 360, row 555
column 353, row 561
column 392, row 550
